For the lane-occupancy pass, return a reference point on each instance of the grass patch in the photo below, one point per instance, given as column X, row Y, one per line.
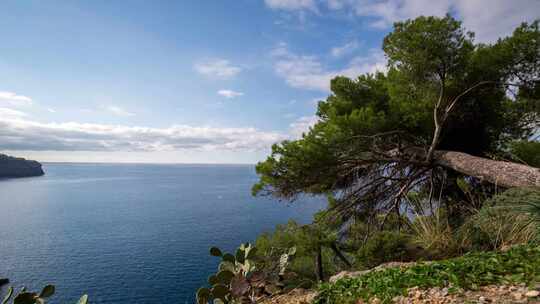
column 518, row 265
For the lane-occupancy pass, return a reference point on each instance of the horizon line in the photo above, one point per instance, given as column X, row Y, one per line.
column 143, row 163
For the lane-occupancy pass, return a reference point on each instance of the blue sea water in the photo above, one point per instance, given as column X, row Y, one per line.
column 126, row 233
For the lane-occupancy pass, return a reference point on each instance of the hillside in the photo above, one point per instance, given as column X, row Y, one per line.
column 485, row 277
column 19, row 167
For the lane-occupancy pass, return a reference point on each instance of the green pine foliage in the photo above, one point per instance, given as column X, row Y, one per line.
column 527, row 152
column 374, row 112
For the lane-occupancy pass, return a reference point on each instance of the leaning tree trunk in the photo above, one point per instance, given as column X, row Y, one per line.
column 501, row 173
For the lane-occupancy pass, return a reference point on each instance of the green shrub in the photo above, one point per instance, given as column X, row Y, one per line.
column 509, row 218
column 382, row 247
column 307, row 239
column 527, row 152
column 434, row 234
column 284, row 237
column 515, row 197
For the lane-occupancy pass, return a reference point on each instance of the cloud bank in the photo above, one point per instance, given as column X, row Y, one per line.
column 17, row 132
column 15, row 99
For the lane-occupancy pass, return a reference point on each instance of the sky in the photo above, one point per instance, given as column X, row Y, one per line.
column 199, row 81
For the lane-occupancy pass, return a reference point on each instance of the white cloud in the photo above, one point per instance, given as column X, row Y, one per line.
column 51, row 110
column 229, row 93
column 389, row 11
column 302, row 125
column 20, row 133
column 345, row 49
column 307, row 72
column 14, row 99
column 10, row 113
column 218, row 68
column 336, row 4
column 489, row 19
column 291, row 5
column 118, row 111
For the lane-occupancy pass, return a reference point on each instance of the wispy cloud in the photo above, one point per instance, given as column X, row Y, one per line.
column 302, row 125
column 218, row 68
column 15, row 99
column 291, row 5
column 118, row 111
column 20, row 133
column 345, row 49
column 385, row 13
column 307, row 72
column 229, row 94
column 488, row 24
column 491, row 19
column 10, row 113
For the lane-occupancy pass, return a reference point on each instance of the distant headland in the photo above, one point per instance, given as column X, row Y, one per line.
column 19, row 167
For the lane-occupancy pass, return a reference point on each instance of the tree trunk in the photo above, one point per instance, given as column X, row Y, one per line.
column 318, row 265
column 501, row 173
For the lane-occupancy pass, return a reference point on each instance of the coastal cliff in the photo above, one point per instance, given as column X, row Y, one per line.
column 19, row 167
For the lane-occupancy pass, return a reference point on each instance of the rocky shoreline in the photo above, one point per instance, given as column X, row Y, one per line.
column 19, row 167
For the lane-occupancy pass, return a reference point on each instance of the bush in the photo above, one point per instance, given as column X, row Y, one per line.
column 306, row 239
column 515, row 197
column 434, row 234
column 382, row 247
column 506, row 219
column 527, row 152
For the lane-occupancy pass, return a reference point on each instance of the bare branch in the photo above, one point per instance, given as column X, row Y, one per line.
column 438, row 124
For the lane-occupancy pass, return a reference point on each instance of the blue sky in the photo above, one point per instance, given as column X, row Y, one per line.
column 192, row 81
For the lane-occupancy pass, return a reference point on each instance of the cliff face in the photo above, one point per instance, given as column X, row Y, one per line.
column 19, row 167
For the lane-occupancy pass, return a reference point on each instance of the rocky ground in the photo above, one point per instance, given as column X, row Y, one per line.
column 486, row 294
column 354, row 274
column 297, row 296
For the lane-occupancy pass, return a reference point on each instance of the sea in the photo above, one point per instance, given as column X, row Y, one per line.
column 131, row 233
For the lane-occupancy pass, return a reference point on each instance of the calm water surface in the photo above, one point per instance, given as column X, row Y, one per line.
column 130, row 233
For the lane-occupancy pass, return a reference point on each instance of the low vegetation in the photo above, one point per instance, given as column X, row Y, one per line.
column 520, row 264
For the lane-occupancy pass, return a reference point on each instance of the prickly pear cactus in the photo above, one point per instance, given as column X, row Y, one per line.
column 284, row 260
column 236, row 279
column 26, row 297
